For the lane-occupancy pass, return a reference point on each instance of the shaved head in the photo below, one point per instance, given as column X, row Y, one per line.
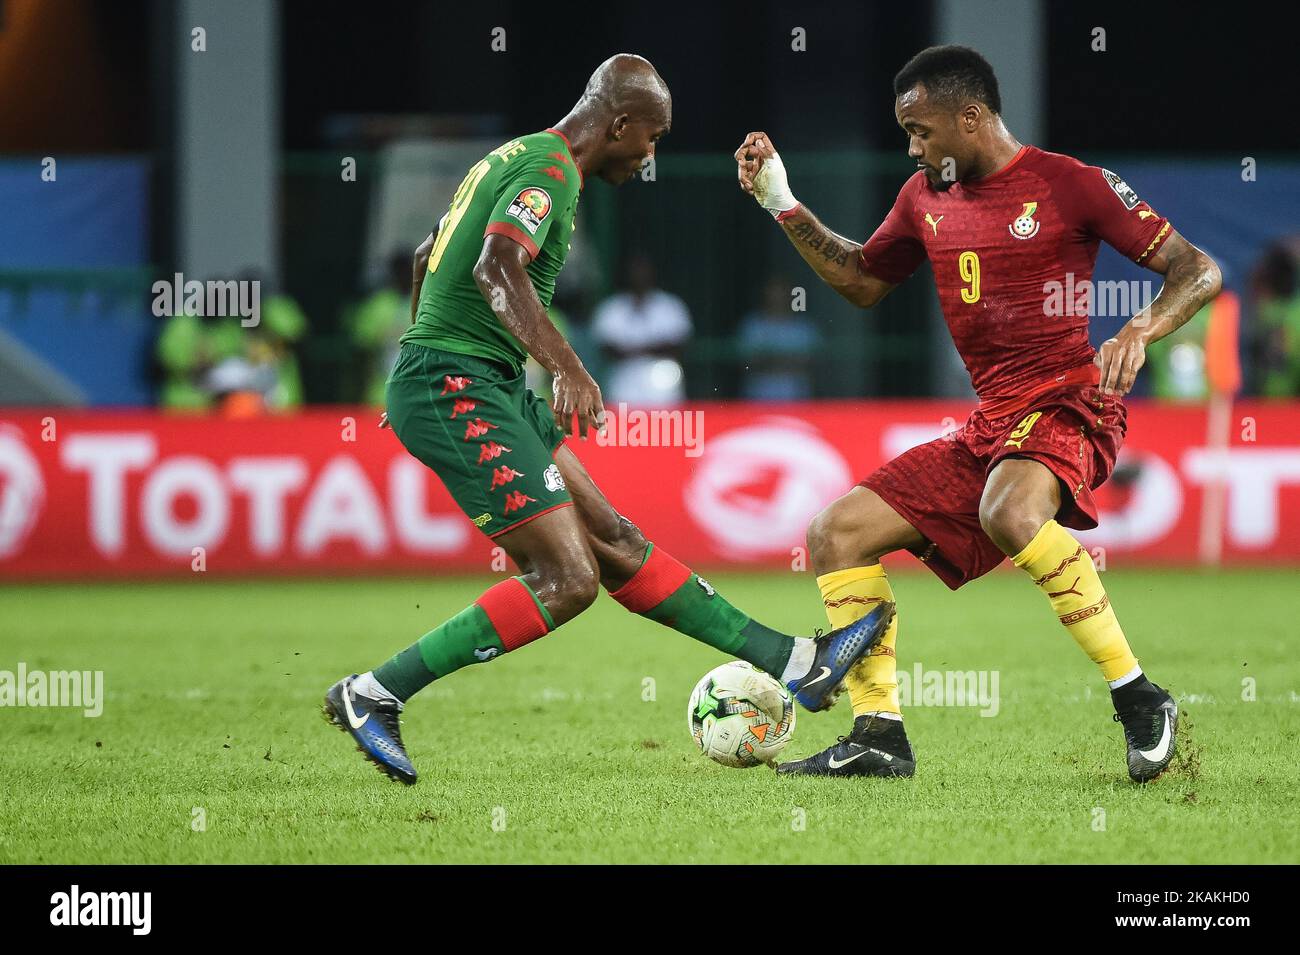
column 624, row 111
column 627, row 83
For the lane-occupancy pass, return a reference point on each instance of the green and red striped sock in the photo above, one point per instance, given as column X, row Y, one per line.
column 668, row 592
column 506, row 617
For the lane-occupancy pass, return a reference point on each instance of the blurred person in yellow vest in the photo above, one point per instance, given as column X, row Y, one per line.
column 187, row 348
column 262, row 373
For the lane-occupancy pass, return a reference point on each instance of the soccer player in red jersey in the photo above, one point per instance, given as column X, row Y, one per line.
column 1000, row 223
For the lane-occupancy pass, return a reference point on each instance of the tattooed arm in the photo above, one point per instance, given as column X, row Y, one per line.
column 1191, row 280
column 833, row 257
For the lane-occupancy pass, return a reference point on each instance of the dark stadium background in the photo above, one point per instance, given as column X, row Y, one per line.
column 1178, row 83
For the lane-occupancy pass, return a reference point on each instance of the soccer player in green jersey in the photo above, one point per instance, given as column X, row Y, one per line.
column 457, row 401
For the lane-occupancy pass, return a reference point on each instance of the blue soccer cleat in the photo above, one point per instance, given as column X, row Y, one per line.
column 837, row 653
column 374, row 725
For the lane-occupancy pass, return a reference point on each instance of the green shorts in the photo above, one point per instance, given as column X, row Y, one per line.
column 489, row 438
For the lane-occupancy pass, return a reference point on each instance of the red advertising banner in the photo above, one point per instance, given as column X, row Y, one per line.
column 138, row 494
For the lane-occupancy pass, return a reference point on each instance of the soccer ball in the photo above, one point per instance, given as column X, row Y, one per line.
column 740, row 716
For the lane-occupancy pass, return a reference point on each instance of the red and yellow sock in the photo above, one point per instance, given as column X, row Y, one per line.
column 1064, row 571
column 848, row 595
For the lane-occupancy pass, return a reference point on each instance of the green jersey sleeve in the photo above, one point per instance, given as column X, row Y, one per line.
column 532, row 197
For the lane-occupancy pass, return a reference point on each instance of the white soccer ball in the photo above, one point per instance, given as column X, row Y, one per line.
column 739, row 716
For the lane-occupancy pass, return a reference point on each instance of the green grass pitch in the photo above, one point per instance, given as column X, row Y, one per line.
column 553, row 754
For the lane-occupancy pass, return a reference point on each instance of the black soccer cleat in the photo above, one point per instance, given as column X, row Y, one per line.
column 1149, row 716
column 837, row 653
column 375, row 727
column 876, row 747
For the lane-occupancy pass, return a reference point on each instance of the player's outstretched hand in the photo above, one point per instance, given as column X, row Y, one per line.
column 1119, row 359
column 762, row 174
column 577, row 394
column 749, row 160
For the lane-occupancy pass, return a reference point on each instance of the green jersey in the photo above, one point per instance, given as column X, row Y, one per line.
column 527, row 190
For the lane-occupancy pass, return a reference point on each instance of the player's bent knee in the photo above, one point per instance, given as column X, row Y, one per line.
column 1008, row 523
column 576, row 589
column 836, row 538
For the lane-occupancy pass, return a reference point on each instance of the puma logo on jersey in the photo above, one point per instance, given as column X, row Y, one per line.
column 933, row 223
column 1145, row 214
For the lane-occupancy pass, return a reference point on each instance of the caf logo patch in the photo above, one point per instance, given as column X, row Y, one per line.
column 1025, row 226
column 1122, row 189
column 530, row 207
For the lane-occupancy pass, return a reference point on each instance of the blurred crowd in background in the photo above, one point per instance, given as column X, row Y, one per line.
column 637, row 340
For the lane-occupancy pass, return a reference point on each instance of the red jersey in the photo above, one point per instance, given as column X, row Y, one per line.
column 997, row 244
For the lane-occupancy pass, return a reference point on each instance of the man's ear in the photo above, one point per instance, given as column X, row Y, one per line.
column 971, row 116
column 618, row 127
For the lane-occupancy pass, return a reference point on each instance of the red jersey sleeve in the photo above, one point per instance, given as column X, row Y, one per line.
column 894, row 251
column 1107, row 207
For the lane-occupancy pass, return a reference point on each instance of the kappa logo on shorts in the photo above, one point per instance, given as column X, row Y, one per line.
column 482, row 519
column 491, row 450
column 503, row 475
column 530, row 207
column 553, row 479
column 1017, row 437
column 517, row 500
column 477, row 428
column 463, row 406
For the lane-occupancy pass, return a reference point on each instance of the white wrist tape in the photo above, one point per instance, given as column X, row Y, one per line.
column 771, row 188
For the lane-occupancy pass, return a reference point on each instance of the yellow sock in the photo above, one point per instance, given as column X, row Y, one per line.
column 1064, row 571
column 848, row 595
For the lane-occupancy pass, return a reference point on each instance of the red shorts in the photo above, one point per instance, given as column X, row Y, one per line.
column 1075, row 431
